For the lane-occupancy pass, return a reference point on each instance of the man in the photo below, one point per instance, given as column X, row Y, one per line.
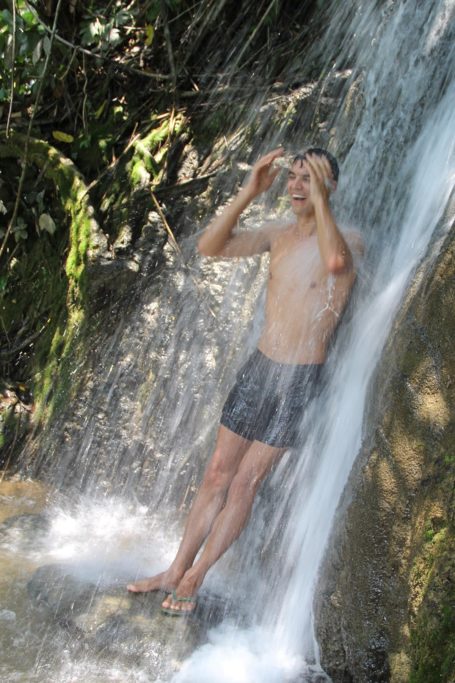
column 311, row 274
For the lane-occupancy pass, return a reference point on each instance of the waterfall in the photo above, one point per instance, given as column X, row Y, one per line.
column 144, row 434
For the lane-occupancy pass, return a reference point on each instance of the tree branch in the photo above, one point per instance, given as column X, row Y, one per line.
column 13, row 61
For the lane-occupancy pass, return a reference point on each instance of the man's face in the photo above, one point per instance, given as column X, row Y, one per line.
column 299, row 188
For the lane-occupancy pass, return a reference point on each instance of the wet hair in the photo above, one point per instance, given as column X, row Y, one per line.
column 318, row 151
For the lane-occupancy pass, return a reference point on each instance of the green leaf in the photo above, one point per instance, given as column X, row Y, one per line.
column 91, row 32
column 36, row 54
column 46, row 44
column 100, row 110
column 153, row 11
column 149, row 34
column 45, row 222
column 40, row 199
column 7, row 17
column 20, row 235
column 61, row 136
column 29, row 18
column 123, row 17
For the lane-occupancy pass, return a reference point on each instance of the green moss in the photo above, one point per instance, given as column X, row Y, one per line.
column 61, row 292
column 433, row 633
column 149, row 152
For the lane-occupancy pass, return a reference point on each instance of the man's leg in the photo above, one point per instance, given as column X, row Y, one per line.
column 224, row 463
column 230, row 522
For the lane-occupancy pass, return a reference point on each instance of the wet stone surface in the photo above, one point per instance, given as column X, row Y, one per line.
column 108, row 619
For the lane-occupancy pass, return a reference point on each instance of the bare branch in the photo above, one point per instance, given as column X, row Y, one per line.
column 13, row 61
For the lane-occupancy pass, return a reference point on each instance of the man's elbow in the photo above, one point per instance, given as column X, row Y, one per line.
column 339, row 263
column 204, row 249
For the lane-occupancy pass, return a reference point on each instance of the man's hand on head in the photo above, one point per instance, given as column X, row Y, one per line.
column 321, row 178
column 263, row 173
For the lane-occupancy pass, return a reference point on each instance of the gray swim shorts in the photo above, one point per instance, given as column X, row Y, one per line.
column 268, row 400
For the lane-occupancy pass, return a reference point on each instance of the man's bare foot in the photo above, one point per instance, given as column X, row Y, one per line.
column 166, row 581
column 182, row 599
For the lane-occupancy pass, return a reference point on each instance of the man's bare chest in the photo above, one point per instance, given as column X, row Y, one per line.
column 296, row 267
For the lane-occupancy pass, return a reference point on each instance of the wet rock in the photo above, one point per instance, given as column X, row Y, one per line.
column 59, row 591
column 123, row 240
column 110, row 620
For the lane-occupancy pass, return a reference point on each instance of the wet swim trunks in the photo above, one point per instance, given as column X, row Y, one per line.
column 268, row 399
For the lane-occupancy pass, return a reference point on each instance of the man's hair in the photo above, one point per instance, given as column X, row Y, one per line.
column 318, row 151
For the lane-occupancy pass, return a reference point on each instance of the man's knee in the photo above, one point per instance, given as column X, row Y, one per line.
column 252, row 473
column 218, row 475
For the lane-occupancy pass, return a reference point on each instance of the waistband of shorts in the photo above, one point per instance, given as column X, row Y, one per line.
column 257, row 353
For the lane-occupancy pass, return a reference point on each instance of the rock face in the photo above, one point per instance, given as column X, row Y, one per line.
column 106, row 620
column 386, row 605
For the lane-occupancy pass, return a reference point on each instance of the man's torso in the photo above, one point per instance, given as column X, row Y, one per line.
column 304, row 300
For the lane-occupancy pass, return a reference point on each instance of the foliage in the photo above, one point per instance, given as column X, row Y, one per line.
column 25, row 62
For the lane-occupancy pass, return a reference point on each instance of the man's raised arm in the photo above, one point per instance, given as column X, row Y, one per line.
column 217, row 239
column 333, row 247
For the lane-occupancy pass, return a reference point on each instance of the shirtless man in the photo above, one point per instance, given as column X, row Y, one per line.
column 311, row 276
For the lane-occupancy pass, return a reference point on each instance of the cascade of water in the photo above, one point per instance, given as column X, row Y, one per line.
column 150, row 424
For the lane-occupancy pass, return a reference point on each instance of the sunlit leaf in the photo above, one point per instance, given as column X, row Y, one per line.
column 91, row 32
column 114, row 36
column 3, row 208
column 100, row 110
column 61, row 136
column 46, row 223
column 149, row 34
column 29, row 17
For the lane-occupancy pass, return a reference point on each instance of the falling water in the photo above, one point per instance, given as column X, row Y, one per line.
column 143, row 435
